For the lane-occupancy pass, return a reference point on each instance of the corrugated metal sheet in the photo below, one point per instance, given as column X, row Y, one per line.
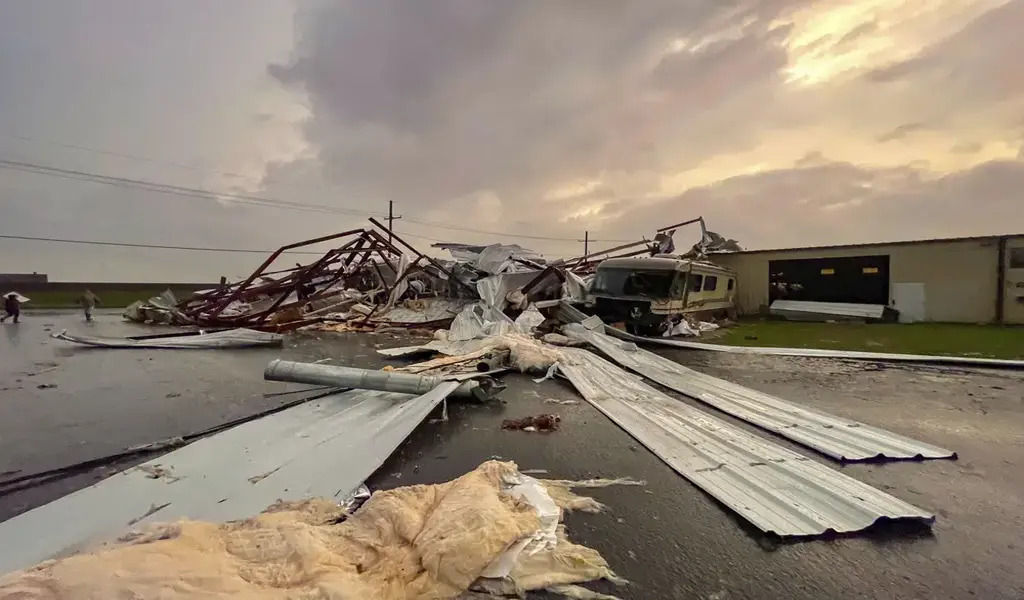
column 570, row 314
column 325, row 448
column 232, row 338
column 957, row 361
column 800, row 310
column 838, row 438
column 778, row 490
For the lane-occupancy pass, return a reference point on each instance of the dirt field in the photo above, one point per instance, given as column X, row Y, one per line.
column 669, row 538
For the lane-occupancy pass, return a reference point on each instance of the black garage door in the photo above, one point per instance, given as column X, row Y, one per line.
column 860, row 279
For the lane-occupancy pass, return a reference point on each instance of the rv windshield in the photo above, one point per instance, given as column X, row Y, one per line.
column 627, row 282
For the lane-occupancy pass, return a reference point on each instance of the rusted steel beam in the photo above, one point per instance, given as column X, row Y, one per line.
column 303, row 277
column 342, row 272
column 219, row 307
column 394, row 250
column 387, row 290
column 569, row 262
column 589, row 263
column 678, row 225
column 394, row 286
column 436, row 264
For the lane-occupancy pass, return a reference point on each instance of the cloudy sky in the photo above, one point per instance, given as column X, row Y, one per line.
column 782, row 122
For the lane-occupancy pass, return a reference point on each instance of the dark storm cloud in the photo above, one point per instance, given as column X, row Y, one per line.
column 423, row 102
column 546, row 117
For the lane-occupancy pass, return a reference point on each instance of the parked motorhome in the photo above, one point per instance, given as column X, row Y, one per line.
column 649, row 295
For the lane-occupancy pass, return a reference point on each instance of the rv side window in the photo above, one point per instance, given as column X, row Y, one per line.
column 695, row 281
column 710, row 283
column 730, row 284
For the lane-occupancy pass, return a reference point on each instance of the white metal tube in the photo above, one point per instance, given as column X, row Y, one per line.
column 366, row 379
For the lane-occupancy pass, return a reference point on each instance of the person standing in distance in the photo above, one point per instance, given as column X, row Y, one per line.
column 88, row 301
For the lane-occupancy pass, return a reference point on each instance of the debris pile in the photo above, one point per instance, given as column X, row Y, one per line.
column 158, row 310
column 371, row 278
column 365, row 276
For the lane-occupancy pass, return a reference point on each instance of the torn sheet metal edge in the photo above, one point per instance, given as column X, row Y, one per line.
column 324, row 448
column 571, row 314
column 533, row 492
column 838, row 438
column 779, row 491
column 232, row 338
column 438, row 347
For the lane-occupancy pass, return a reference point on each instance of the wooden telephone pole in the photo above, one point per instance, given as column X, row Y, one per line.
column 391, row 218
column 586, row 243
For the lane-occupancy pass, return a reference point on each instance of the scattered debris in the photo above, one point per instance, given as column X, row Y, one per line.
column 48, row 367
column 356, row 499
column 46, row 386
column 542, row 423
column 155, row 471
column 258, row 478
column 167, row 444
column 160, row 310
column 562, row 402
column 153, row 509
column 689, row 327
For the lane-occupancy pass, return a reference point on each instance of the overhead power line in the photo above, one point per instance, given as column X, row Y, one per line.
column 157, row 246
column 170, row 247
column 139, row 158
column 177, row 190
column 190, row 192
column 503, row 234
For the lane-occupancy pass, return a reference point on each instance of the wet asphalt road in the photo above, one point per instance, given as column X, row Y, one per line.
column 669, row 538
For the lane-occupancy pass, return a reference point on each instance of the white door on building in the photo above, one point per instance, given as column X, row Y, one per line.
column 1013, row 299
column 909, row 300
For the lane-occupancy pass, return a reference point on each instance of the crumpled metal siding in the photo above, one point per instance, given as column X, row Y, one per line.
column 232, row 338
column 959, row 361
column 838, row 438
column 777, row 490
column 324, row 448
column 571, row 314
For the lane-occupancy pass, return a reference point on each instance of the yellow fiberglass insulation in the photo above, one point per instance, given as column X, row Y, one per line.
column 422, row 541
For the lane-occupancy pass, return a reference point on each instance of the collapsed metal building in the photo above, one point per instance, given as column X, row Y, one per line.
column 371, row 274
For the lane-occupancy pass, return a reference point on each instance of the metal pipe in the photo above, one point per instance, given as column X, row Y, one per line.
column 700, row 220
column 367, row 379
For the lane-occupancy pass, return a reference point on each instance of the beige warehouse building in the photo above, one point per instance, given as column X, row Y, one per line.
column 957, row 280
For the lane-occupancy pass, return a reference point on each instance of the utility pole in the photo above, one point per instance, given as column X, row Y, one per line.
column 391, row 218
column 586, row 243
